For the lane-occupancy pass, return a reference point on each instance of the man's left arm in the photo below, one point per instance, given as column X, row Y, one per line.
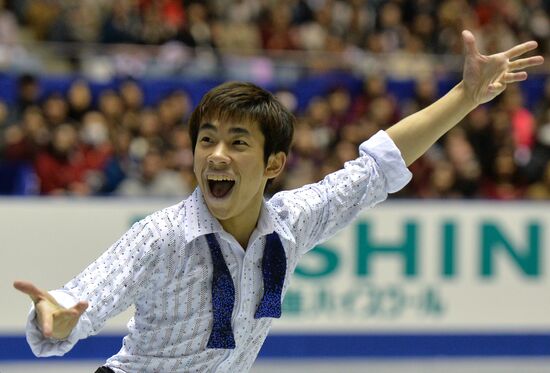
column 484, row 78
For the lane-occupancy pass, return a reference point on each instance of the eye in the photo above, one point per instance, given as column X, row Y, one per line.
column 240, row 143
column 206, row 139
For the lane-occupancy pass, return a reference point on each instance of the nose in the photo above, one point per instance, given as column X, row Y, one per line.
column 219, row 156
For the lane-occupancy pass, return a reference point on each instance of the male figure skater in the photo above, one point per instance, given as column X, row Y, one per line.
column 207, row 275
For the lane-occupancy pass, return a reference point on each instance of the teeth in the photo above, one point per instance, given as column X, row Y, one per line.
column 219, row 178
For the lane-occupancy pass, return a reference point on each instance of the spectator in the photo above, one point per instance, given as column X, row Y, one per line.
column 339, row 101
column 56, row 110
column 443, row 182
column 112, row 108
column 122, row 24
column 79, row 99
column 461, row 156
column 374, row 87
column 540, row 155
column 154, row 180
column 9, row 28
column 151, row 130
column 170, row 115
column 480, row 133
column 4, row 118
column 28, row 93
column 276, row 29
column 521, row 120
column 96, row 149
column 39, row 15
column 181, row 106
column 180, row 154
column 155, row 28
column 120, row 165
column 506, row 184
column 132, row 96
column 61, row 167
column 197, row 31
column 24, row 140
column 390, row 26
column 95, row 142
column 77, row 22
column 541, row 189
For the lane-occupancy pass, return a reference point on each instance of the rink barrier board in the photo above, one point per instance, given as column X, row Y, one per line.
column 318, row 346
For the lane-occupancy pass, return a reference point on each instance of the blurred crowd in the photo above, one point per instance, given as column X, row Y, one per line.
column 376, row 25
column 70, row 144
column 500, row 151
column 118, row 146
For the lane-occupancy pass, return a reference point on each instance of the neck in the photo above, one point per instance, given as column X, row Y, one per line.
column 241, row 227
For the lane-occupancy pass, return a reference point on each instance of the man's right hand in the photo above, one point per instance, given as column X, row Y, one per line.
column 54, row 320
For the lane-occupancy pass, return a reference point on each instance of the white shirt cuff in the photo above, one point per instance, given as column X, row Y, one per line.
column 386, row 154
column 42, row 346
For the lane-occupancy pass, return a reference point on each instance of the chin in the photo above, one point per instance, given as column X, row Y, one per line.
column 221, row 209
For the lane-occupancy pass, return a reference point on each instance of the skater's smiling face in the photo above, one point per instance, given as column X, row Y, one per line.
column 230, row 168
column 240, row 135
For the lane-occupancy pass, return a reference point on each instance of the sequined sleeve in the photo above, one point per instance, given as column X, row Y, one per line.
column 317, row 211
column 110, row 285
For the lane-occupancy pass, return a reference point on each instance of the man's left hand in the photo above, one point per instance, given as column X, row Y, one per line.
column 485, row 77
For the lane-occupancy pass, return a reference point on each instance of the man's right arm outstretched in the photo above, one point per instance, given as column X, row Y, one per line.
column 120, row 277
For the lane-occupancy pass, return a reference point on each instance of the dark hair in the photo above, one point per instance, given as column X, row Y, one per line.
column 246, row 102
column 26, row 79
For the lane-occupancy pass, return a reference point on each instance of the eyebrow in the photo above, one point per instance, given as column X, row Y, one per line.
column 208, row 126
column 239, row 131
column 233, row 130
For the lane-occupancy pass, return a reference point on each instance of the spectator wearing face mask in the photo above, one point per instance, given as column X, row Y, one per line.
column 96, row 148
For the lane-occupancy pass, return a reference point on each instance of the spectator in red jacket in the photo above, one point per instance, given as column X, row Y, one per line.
column 61, row 168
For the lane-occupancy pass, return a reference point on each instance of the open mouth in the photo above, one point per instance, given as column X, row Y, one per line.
column 220, row 188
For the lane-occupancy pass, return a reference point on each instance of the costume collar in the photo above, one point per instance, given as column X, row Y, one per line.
column 200, row 222
column 270, row 221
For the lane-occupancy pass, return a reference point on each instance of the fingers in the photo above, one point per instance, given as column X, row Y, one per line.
column 46, row 323
column 29, row 289
column 53, row 320
column 525, row 63
column 80, row 307
column 520, row 49
column 505, row 79
column 496, row 87
column 57, row 322
column 469, row 42
column 514, row 77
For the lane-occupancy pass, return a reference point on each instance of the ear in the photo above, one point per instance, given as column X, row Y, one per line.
column 275, row 165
